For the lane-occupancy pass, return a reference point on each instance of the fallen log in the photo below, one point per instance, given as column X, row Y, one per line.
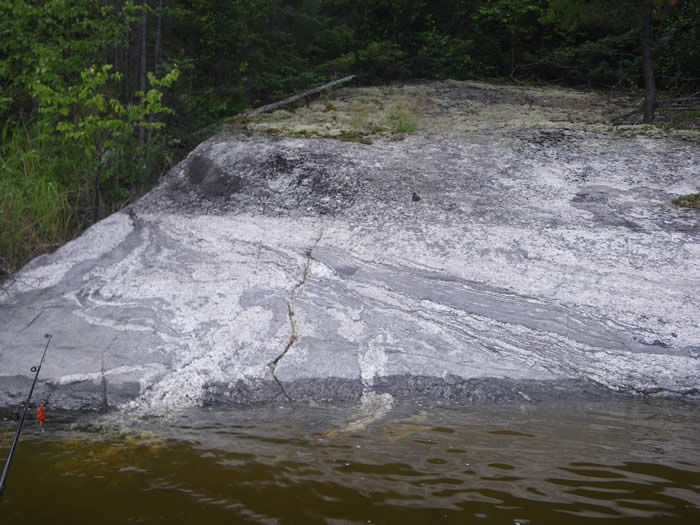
column 295, row 98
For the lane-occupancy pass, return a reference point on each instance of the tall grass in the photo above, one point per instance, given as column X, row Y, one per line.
column 47, row 190
column 402, row 115
column 36, row 208
column 403, row 122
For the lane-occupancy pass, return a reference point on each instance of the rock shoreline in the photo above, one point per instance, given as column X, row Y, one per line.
column 543, row 261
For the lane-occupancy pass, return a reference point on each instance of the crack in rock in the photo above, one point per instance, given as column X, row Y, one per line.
column 105, row 400
column 293, row 337
column 105, row 403
column 30, row 323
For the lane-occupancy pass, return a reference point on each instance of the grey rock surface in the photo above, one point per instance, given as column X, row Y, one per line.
column 542, row 261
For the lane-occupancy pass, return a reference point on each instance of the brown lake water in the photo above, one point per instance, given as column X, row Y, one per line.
column 621, row 462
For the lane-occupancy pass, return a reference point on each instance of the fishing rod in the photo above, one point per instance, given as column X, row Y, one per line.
column 8, row 461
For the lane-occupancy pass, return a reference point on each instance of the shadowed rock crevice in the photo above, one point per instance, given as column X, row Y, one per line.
column 292, row 340
column 293, row 336
column 277, row 180
column 105, row 400
column 211, row 180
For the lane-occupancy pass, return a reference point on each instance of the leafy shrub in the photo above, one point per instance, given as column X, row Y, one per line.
column 381, row 60
column 442, row 56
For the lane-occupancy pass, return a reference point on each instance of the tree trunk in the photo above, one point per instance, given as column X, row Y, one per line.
column 98, row 173
column 648, row 67
column 143, row 69
column 159, row 36
column 512, row 62
column 156, row 58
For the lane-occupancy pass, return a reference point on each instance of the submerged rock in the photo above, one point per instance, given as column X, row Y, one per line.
column 544, row 260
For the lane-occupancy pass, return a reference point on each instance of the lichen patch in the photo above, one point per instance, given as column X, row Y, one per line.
column 393, row 112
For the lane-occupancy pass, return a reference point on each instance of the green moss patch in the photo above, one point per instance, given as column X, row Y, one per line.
column 394, row 112
column 238, row 119
column 688, row 201
column 348, row 136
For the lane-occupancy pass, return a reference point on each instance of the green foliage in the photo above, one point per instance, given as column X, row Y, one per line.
column 508, row 29
column 52, row 41
column 599, row 41
column 404, row 122
column 82, row 145
column 36, row 217
column 688, row 201
column 443, row 56
column 92, row 141
column 37, row 209
column 79, row 153
column 381, row 60
column 100, row 126
column 678, row 47
column 402, row 119
column 516, row 18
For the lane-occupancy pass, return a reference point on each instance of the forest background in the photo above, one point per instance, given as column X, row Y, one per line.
column 98, row 98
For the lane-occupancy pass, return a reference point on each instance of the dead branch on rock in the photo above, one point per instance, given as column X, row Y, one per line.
column 296, row 98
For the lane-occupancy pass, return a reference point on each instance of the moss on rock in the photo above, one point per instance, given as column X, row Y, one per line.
column 453, row 108
column 688, row 201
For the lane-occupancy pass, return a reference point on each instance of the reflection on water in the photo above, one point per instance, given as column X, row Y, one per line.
column 501, row 464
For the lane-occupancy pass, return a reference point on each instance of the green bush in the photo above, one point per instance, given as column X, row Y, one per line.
column 381, row 60
column 442, row 56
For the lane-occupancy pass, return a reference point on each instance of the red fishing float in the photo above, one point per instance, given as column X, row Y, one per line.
column 41, row 414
